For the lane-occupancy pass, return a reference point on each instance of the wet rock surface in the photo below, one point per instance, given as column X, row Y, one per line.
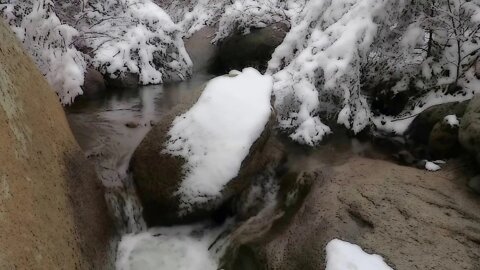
column 94, row 84
column 251, row 50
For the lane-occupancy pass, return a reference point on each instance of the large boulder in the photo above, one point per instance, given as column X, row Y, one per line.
column 123, row 81
column 94, row 84
column 159, row 174
column 443, row 142
column 53, row 214
column 469, row 133
column 423, row 124
column 413, row 218
column 251, row 50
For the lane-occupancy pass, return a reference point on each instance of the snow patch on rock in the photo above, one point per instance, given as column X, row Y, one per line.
column 342, row 255
column 452, row 120
column 216, row 134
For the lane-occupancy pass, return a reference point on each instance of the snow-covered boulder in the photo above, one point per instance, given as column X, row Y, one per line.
column 254, row 49
column 189, row 164
column 469, row 133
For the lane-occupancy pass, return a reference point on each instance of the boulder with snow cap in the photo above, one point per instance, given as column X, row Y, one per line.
column 469, row 133
column 443, row 141
column 423, row 124
column 197, row 158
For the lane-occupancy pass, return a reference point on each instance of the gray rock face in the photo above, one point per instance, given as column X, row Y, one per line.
column 251, row 50
column 124, row 81
column 469, row 133
column 413, row 218
column 474, row 183
column 443, row 142
column 94, row 83
column 423, row 124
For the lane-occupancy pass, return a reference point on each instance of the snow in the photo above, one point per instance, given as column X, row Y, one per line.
column 399, row 125
column 179, row 248
column 49, row 41
column 135, row 36
column 342, row 255
column 452, row 120
column 431, row 166
column 216, row 134
column 120, row 36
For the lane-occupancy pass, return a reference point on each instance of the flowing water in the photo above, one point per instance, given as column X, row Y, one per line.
column 110, row 126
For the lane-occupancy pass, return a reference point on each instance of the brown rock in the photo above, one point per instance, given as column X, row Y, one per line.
column 52, row 210
column 415, row 219
column 158, row 175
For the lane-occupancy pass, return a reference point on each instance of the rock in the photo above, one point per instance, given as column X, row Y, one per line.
column 477, row 69
column 406, row 158
column 94, row 83
column 53, row 213
column 469, row 133
column 413, row 218
column 474, row 183
column 387, row 101
column 124, row 81
column 132, row 124
column 158, row 175
column 423, row 124
column 251, row 50
column 443, row 142
column 200, row 48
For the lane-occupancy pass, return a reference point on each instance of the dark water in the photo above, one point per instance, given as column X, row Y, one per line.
column 110, row 127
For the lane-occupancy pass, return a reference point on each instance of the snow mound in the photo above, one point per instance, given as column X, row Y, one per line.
column 343, row 255
column 216, row 134
column 432, row 166
column 452, row 120
column 179, row 248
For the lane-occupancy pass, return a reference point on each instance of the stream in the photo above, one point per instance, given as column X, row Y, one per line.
column 111, row 125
